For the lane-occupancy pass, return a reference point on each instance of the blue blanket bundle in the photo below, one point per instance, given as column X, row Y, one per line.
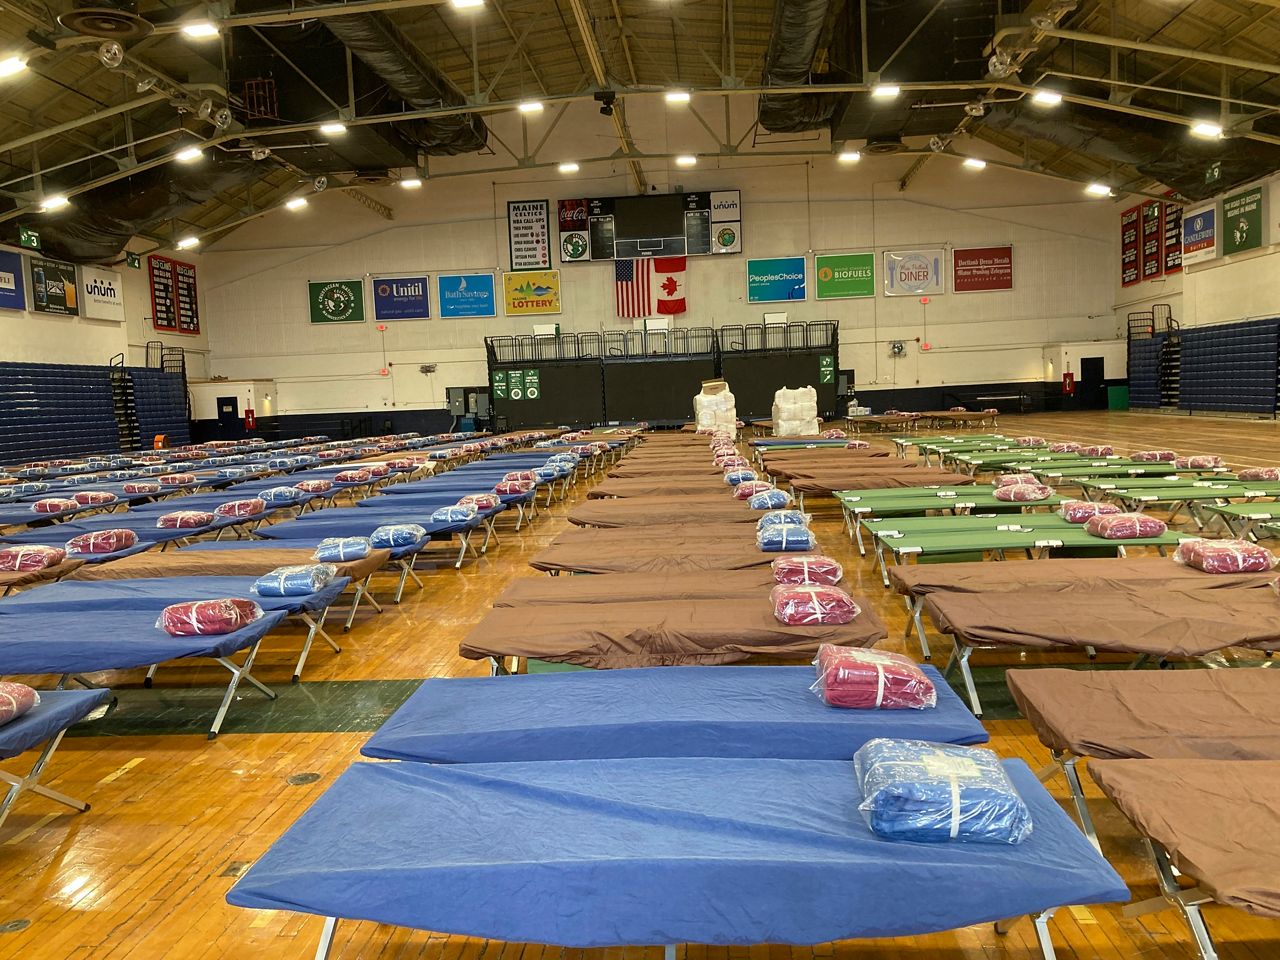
column 546, row 474
column 155, row 469
column 280, row 495
column 936, row 793
column 336, row 549
column 259, row 455
column 784, row 537
column 455, row 513
column 282, row 463
column 122, row 474
column 400, row 534
column 735, row 477
column 440, row 455
column 30, row 489
column 770, row 500
column 234, row 473
column 82, row 479
column 295, row 581
column 777, row 517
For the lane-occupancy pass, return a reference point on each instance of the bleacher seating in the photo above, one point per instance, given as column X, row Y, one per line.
column 53, row 410
column 160, row 405
column 1144, row 371
column 1230, row 367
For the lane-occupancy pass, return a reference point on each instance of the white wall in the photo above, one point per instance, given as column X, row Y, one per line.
column 255, row 395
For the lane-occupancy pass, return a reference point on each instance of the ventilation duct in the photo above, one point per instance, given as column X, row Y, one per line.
column 797, row 33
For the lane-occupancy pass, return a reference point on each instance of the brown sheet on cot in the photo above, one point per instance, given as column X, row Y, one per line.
column 647, row 511
column 683, row 535
column 727, row 584
column 829, row 482
column 657, row 487
column 654, row 556
column 660, row 633
column 222, row 563
column 664, row 468
column 1175, row 622
column 1216, row 818
column 12, row 579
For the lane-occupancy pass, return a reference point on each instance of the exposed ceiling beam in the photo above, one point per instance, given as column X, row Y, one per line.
column 1181, row 53
column 81, row 122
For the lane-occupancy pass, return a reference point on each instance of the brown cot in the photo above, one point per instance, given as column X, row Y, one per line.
column 651, row 634
column 647, row 511
column 663, row 586
column 650, row 555
column 658, row 486
column 11, row 580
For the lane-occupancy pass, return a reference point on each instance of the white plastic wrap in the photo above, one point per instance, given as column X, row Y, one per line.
column 795, row 412
column 716, row 410
column 858, row 679
column 295, row 581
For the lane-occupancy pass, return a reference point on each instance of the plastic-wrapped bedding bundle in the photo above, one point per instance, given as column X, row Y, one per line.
column 1225, row 556
column 795, row 412
column 142, row 487
column 234, row 473
column 735, row 477
column 82, row 480
column 1259, row 473
column 1064, row 448
column 546, row 474
column 782, row 537
column 857, row 445
column 101, row 541
column 455, row 514
column 771, row 499
column 295, row 581
column 528, row 475
column 16, row 700
column 206, row 618
column 117, row 475
column 341, row 549
column 34, row 557
column 732, row 461
column 1096, row 450
column 860, row 679
column 991, row 411
column 394, row 535
column 185, row 520
column 1125, row 526
column 54, row 505
column 957, row 409
column 936, row 793
column 353, row 476
column 1023, row 492
column 314, row 486
column 481, row 501
column 1080, row 511
column 833, row 435
column 241, row 508
column 777, row 518
column 1028, row 441
column 805, row 604
column 1154, row 456
column 750, row 488
column 28, row 489
column 176, row 479
column 94, row 498
column 814, row 569
column 278, row 495
column 401, row 464
column 1200, row 462
column 378, row 470
column 512, row 487
column 155, row 469
column 1009, row 479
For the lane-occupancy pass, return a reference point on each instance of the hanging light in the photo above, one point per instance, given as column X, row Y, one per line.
column 411, row 183
column 55, row 202
column 885, row 91
column 1207, row 129
column 186, row 243
column 686, row 160
column 1046, row 98
column 188, row 154
column 973, row 163
column 568, row 167
column 334, row 129
column 200, row 29
column 11, row 65
column 1098, row 190
column 295, row 203
column 529, row 106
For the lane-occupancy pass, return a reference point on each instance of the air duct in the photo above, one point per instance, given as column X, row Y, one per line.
column 797, row 32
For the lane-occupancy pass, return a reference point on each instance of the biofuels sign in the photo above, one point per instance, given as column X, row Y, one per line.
column 841, row 276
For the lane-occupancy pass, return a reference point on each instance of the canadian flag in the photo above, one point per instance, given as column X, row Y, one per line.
column 668, row 284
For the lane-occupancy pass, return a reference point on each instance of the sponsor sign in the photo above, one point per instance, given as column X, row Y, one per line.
column 776, row 279
column 102, row 294
column 53, row 287
column 530, row 293
column 401, row 298
column 175, row 305
column 1244, row 222
column 529, row 234
column 913, row 273
column 575, row 235
column 1200, row 234
column 13, row 293
column 726, row 221
column 979, row 269
column 840, row 276
column 336, row 301
column 466, row 295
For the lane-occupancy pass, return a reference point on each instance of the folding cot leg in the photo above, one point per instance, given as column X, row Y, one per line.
column 489, row 534
column 151, row 675
column 362, row 593
column 519, row 516
column 406, row 571
column 960, row 658
column 325, row 946
column 237, row 674
column 1171, row 894
column 884, row 572
column 669, row 952
column 915, row 609
column 314, row 628
column 1068, row 766
column 31, row 782
column 857, row 535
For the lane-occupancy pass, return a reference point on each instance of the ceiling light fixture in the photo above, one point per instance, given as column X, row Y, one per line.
column 686, row 160
column 186, row 243
column 1098, row 190
column 849, row 156
column 296, row 203
column 412, row 183
column 333, row 129
column 200, row 30
column 55, row 202
column 530, row 106
column 11, row 65
column 677, row 96
column 1207, row 129
column 188, row 154
column 466, row 4
column 569, row 167
column 885, row 90
column 973, row 163
column 1046, row 98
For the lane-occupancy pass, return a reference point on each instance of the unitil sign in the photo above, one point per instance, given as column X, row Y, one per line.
column 981, row 269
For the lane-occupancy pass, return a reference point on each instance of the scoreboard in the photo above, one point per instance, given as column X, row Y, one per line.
column 650, row 225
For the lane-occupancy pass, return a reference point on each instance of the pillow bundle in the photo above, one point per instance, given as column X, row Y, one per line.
column 512, row 487
column 521, row 476
column 1009, row 479
column 871, row 680
column 833, row 435
column 1065, row 448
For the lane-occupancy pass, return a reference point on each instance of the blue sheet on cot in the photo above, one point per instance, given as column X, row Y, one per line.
column 650, row 712
column 67, row 642
column 57, row 710
column 354, row 522
column 155, row 594
column 598, row 853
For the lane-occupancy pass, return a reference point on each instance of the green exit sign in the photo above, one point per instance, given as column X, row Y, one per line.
column 28, row 238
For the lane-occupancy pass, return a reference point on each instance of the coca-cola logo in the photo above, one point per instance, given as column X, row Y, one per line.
column 573, row 214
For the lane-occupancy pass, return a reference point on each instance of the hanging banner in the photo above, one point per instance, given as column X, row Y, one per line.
column 401, row 298
column 13, row 293
column 1172, row 236
column 336, row 301
column 575, row 237
column 102, row 292
column 53, row 287
column 775, row 279
column 175, row 305
column 529, row 234
column 913, row 273
column 843, row 276
column 1244, row 221
column 1152, row 240
column 1200, row 234
column 1130, row 247
column 531, row 293
column 981, row 269
column 466, row 295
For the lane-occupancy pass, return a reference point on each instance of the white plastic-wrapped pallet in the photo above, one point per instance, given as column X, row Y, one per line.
column 715, row 408
column 795, row 412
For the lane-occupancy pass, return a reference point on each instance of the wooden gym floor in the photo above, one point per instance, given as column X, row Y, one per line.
column 175, row 818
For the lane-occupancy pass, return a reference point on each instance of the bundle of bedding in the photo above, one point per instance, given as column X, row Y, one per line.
column 1023, row 492
column 16, row 700
column 1096, row 450
column 403, row 534
column 1225, row 556
column 241, row 508
column 771, row 499
column 1065, row 447
column 811, row 569
column 456, row 513
column 1028, row 441
column 1154, row 456
column 203, row 618
column 314, row 486
column 295, row 581
column 1199, row 462
column 353, row 476
column 101, row 541
column 1264, row 474
column 94, row 498
column 783, row 537
column 1081, row 511
column 1125, row 526
column 54, row 505
column 750, row 488
column 512, row 487
column 185, row 519
column 857, row 445
column 280, row 495
column 799, row 605
column 859, row 679
column 735, row 477
column 142, row 487
column 175, row 479
column 339, row 549
column 29, row 558
column 481, row 501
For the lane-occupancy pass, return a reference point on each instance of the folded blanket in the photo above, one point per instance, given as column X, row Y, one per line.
column 208, row 617
column 749, row 489
column 94, row 498
column 784, row 537
column 1096, row 450
column 1225, row 556
column 1201, row 462
column 295, row 581
column 802, row 605
column 34, row 557
column 280, row 495
column 778, row 517
column 53, row 505
column 455, row 514
column 101, row 541
column 176, row 479
column 735, row 477
column 512, row 487
column 400, row 534
column 1125, row 526
column 1023, row 492
column 185, row 519
column 353, row 476
column 813, row 569
column 142, row 487
column 241, row 508
column 871, row 680
column 1154, row 456
column 338, row 549
column 1079, row 511
column 16, row 699
column 771, row 499
column 1259, row 473
column 481, row 501
column 314, row 486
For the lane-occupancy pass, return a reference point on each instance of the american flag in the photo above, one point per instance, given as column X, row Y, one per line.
column 631, row 287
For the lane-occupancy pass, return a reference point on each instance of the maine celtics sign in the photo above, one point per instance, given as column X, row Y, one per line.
column 336, row 301
column 841, row 276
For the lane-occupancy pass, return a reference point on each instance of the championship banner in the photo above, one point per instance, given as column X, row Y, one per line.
column 914, row 273
column 529, row 234
column 13, row 294
column 1152, row 239
column 466, row 295
column 575, row 237
column 102, row 292
column 336, row 301
column 1200, row 234
column 844, row 276
column 1130, row 247
column 401, row 298
column 531, row 293
column 775, row 279
column 54, row 288
column 981, row 269
column 175, row 304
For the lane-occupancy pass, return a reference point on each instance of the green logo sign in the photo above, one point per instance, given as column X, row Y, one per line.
column 726, row 237
column 336, row 301
column 826, row 369
column 573, row 246
column 532, row 385
column 841, row 276
column 1243, row 224
column 515, row 384
column 28, row 238
column 133, row 260
column 499, row 384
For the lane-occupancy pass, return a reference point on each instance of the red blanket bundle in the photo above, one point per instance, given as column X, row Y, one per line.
column 94, row 498
column 353, row 476
column 1064, row 447
column 1081, row 511
column 1125, row 526
column 1225, row 556
column 101, row 541
column 512, row 487
column 801, row 605
column 749, row 488
column 833, row 435
column 871, row 680
column 469, row 448
column 241, row 508
column 1023, row 492
column 1154, row 456
column 811, row 569
column 54, row 505
column 314, row 486
column 481, row 501
column 401, row 463
column 857, row 445
column 34, row 557
column 175, row 479
column 185, row 520
column 142, row 486
column 1269, row 474
column 1029, row 441
column 582, row 449
column 328, row 455
column 377, row 470
column 1199, row 462
column 202, row 618
column 1096, row 450
column 522, row 476
column 732, row 461
column 1009, row 479
column 16, row 699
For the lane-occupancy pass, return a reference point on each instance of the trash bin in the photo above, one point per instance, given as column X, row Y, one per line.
column 1118, row 398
